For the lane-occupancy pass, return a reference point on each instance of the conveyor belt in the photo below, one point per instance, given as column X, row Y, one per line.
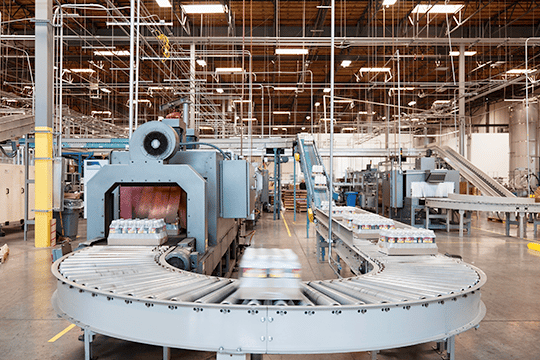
column 309, row 156
column 131, row 293
column 474, row 175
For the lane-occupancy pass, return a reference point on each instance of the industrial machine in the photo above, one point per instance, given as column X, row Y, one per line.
column 203, row 193
column 404, row 191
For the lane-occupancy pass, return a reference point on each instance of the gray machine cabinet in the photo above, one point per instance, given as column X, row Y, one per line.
column 238, row 190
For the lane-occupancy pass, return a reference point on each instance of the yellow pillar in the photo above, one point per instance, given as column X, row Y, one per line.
column 43, row 185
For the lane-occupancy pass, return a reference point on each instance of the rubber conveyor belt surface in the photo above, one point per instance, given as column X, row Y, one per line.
column 131, row 293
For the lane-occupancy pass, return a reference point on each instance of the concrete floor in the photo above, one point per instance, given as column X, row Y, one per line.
column 510, row 330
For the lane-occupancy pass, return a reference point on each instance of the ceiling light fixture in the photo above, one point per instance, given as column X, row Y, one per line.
column 229, row 70
column 219, row 90
column 82, row 70
column 201, row 62
column 111, row 52
column 346, row 63
column 250, row 119
column 519, row 71
column 317, row 104
column 374, row 69
column 412, row 103
column 366, row 113
column 98, row 112
column 291, row 51
column 279, row 112
column 204, row 8
column 285, row 88
column 441, row 102
column 241, row 101
column 388, row 3
column 437, row 9
column 467, row 53
column 327, row 90
column 164, row 3
column 105, row 90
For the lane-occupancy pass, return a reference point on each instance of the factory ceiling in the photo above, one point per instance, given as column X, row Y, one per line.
column 392, row 61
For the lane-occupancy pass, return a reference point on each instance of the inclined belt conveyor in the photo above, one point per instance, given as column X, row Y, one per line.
column 130, row 292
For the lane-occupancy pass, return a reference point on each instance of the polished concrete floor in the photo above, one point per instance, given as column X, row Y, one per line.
column 510, row 330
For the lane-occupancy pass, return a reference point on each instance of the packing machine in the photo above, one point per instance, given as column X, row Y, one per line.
column 202, row 194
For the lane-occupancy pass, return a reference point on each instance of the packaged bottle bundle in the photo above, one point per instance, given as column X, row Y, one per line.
column 137, row 232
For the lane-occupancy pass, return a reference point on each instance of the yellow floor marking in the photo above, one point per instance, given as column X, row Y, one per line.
column 61, row 333
column 287, row 226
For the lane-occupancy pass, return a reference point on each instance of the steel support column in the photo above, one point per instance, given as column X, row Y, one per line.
column 44, row 123
column 462, row 100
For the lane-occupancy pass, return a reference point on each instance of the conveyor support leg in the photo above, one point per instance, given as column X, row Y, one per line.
column 166, row 353
column 521, row 225
column 450, row 348
column 88, row 338
column 461, row 212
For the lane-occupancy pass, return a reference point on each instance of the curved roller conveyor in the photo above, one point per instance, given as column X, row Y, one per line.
column 131, row 293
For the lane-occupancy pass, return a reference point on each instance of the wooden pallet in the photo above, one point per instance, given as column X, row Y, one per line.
column 288, row 198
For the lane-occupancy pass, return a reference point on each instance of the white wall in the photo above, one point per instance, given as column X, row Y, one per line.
column 490, row 153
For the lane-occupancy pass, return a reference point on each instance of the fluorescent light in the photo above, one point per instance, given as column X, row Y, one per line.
column 250, row 119
column 374, row 69
column 389, row 2
column 97, row 112
column 219, row 90
column 437, row 9
column 349, row 129
column 229, row 70
column 317, row 104
column 327, row 90
column 284, row 129
column 412, row 103
column 111, row 52
column 105, row 90
column 345, row 101
column 441, row 102
column 275, row 129
column 303, row 128
column 366, row 113
column 403, row 89
column 278, row 112
column 144, row 101
column 201, row 62
column 467, row 53
column 164, row 3
column 308, row 117
column 204, row 8
column 82, row 70
column 346, row 63
column 285, row 88
column 292, row 51
column 519, row 71
column 157, row 88
column 516, row 100
column 241, row 101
